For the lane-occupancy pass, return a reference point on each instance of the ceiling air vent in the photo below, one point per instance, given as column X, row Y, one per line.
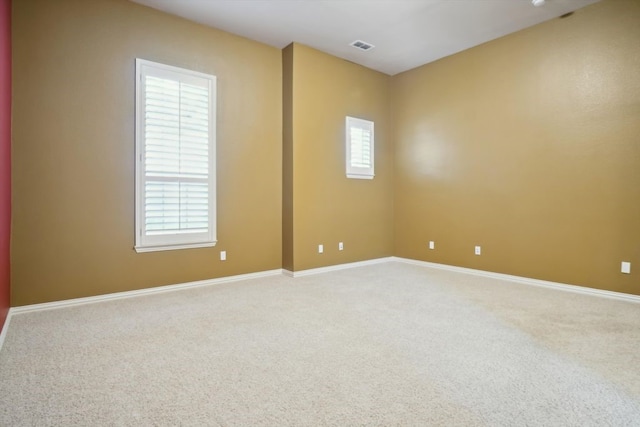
column 359, row 44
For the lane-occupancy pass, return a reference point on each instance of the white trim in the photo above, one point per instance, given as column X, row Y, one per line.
column 170, row 288
column 526, row 280
column 5, row 328
column 337, row 267
column 142, row 249
column 140, row 292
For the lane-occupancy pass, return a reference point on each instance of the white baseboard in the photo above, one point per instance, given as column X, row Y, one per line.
column 5, row 328
column 525, row 280
column 147, row 291
column 128, row 294
column 337, row 267
column 170, row 288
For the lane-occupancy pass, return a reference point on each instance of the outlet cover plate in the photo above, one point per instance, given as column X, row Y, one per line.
column 625, row 267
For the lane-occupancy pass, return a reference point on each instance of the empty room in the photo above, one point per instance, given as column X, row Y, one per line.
column 320, row 212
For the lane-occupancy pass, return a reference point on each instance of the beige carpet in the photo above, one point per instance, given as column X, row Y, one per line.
column 386, row 345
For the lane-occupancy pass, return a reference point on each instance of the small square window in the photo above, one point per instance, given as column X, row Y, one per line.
column 360, row 148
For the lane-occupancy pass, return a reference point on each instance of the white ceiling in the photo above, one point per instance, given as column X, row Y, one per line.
column 405, row 33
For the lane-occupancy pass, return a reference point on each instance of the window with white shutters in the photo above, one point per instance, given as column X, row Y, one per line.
column 175, row 158
column 360, row 148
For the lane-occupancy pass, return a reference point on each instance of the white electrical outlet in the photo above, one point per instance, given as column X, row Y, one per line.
column 320, row 249
column 478, row 250
column 432, row 244
column 625, row 267
column 340, row 246
column 223, row 255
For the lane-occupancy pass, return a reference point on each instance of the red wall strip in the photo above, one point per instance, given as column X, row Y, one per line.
column 5, row 155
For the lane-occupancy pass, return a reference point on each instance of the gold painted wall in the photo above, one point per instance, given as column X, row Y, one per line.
column 530, row 147
column 73, row 148
column 287, row 158
column 327, row 207
column 527, row 145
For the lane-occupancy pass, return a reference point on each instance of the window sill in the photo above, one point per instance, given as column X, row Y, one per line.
column 140, row 249
column 360, row 176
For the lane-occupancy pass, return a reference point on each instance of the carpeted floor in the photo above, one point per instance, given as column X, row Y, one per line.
column 391, row 344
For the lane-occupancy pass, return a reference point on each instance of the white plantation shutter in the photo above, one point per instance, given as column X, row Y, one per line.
column 175, row 142
column 360, row 148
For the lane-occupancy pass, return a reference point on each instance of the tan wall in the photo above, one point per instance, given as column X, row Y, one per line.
column 287, row 158
column 529, row 146
column 327, row 206
column 73, row 148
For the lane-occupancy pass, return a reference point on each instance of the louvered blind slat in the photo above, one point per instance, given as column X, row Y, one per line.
column 175, row 206
column 360, row 148
column 176, row 129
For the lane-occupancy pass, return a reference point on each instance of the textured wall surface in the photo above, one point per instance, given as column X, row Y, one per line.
column 73, row 157
column 530, row 147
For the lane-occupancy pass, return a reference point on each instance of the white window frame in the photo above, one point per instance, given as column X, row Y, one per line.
column 178, row 240
column 354, row 171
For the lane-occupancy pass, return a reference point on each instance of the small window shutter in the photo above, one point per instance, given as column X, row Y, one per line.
column 360, row 148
